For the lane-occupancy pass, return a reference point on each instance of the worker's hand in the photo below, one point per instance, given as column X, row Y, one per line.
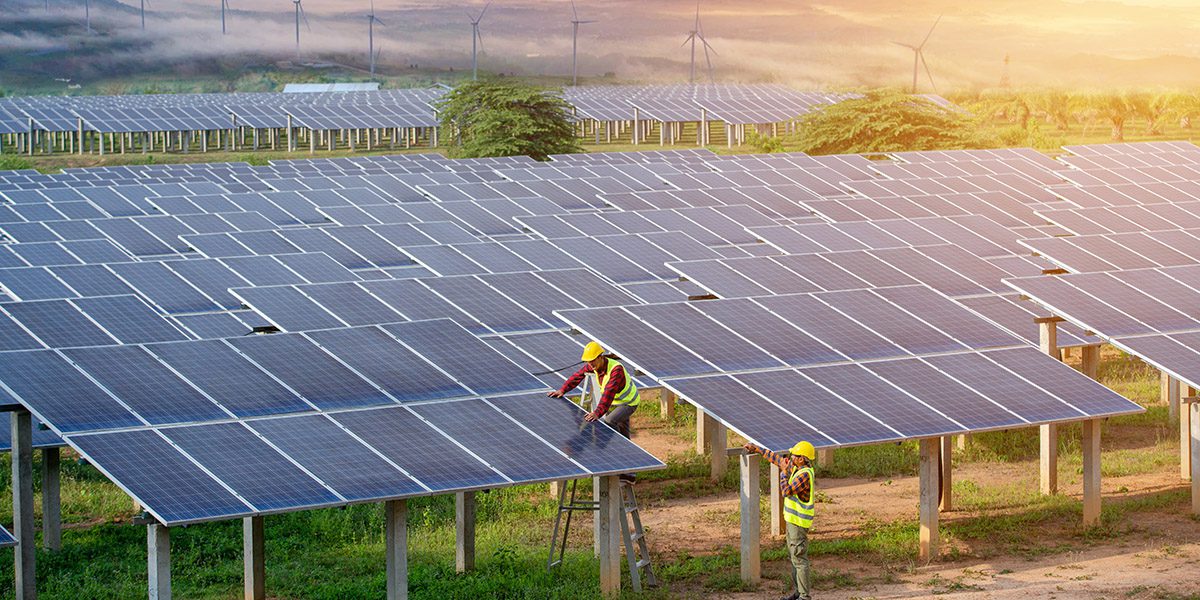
column 555, row 394
column 591, row 417
column 751, row 448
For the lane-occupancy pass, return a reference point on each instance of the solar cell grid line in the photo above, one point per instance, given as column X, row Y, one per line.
column 932, row 273
column 871, row 269
column 212, row 325
column 34, row 283
column 288, row 308
column 427, row 455
column 542, row 254
column 659, row 355
column 889, row 404
column 337, row 457
column 1052, row 375
column 320, row 377
column 963, row 262
column 769, row 274
column 167, row 483
column 720, row 279
column 1131, row 300
column 144, row 385
column 595, row 446
column 834, row 329
column 250, row 466
column 1166, row 289
column 212, row 278
column 447, row 345
column 417, row 302
column 838, row 419
column 752, row 415
column 405, row 375
column 25, row 233
column 1085, row 309
column 129, row 319
column 58, row 324
column 60, row 395
column 510, row 448
column 44, row 254
column 605, row 261
column 587, row 288
column 169, row 292
column 364, row 241
column 948, row 317
column 536, row 295
column 883, row 318
column 940, row 392
column 822, row 271
column 711, row 340
column 229, row 378
column 1170, row 353
column 444, row 260
column 351, row 304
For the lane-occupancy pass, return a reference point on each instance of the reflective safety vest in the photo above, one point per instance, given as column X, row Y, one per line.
column 796, row 511
column 628, row 394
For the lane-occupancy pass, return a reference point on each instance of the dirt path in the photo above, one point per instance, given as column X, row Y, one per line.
column 1156, row 555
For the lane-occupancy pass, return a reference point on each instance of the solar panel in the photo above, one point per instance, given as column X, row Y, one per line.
column 229, row 378
column 406, row 375
column 57, row 324
column 316, row 375
column 445, row 344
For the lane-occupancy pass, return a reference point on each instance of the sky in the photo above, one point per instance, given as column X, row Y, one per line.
column 822, row 44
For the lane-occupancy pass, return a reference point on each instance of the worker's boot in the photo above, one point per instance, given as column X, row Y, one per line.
column 794, row 596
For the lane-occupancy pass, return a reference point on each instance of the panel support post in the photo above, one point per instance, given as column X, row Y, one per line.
column 608, row 534
column 946, row 473
column 158, row 556
column 1048, row 434
column 1186, row 443
column 396, row 533
column 1170, row 395
column 775, row 526
column 51, row 506
column 464, row 531
column 703, row 422
column 22, row 504
column 1090, row 445
column 1090, row 361
column 749, row 495
column 825, row 458
column 928, row 503
column 253, row 557
column 1193, row 410
column 717, row 442
column 666, row 404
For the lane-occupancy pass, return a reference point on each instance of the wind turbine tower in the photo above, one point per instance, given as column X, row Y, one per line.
column 697, row 34
column 300, row 15
column 224, row 7
column 919, row 57
column 371, row 21
column 143, row 15
column 575, row 23
column 476, row 41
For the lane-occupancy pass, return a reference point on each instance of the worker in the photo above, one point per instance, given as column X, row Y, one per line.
column 618, row 396
column 797, row 485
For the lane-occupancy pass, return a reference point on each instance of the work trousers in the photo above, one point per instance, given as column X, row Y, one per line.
column 797, row 543
column 618, row 418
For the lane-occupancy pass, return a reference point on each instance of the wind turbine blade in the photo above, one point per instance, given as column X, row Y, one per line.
column 689, row 38
column 378, row 20
column 927, row 71
column 935, row 24
column 574, row 10
column 586, row 22
column 479, row 36
column 909, row 46
column 305, row 17
column 708, row 60
column 484, row 11
column 708, row 46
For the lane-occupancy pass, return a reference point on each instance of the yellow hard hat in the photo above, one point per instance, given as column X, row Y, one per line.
column 804, row 449
column 592, row 350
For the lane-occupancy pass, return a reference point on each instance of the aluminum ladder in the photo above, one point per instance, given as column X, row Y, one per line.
column 637, row 552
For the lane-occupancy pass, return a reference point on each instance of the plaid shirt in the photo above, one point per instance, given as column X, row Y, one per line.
column 616, row 383
column 800, row 487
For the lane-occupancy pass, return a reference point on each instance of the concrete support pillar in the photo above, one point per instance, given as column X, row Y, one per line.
column 396, row 534
column 775, row 522
column 608, row 534
column 1193, row 410
column 1169, row 390
column 51, row 507
column 946, row 474
column 1090, row 361
column 960, row 442
column 464, row 531
column 1090, row 445
column 1048, row 434
column 703, row 423
column 24, row 555
column 928, row 503
column 253, row 559
column 825, row 458
column 717, row 443
column 158, row 561
column 666, row 404
column 1186, row 443
column 749, row 494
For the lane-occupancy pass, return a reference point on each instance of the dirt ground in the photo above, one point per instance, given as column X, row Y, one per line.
column 1155, row 556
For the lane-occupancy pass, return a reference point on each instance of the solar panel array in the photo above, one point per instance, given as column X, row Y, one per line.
column 415, row 295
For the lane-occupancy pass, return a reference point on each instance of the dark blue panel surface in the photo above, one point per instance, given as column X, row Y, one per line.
column 317, row 267
column 336, row 458
column 229, row 378
column 1023, row 398
column 624, row 334
column 417, row 302
column 264, row 270
column 213, row 325
column 708, row 338
column 1054, row 376
column 160, row 476
column 949, row 317
column 352, row 304
column 594, row 445
column 883, row 318
column 212, row 278
column 92, row 280
column 817, row 406
column 12, row 337
column 885, row 402
column 145, row 385
column 58, row 324
column 374, row 354
column 33, row 283
column 768, row 425
column 250, row 467
column 51, row 387
column 304, row 367
column 829, row 326
column 130, row 320
column 944, row 394
column 431, row 458
column 769, row 332
column 288, row 308
column 460, row 354
column 486, row 304
column 502, row 443
column 163, row 287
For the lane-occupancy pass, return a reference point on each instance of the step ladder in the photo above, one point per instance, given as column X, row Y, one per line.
column 637, row 552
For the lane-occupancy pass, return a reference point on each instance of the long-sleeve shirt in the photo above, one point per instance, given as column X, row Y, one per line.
column 787, row 487
column 616, row 383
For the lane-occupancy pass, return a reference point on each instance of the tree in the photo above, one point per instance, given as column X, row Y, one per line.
column 1115, row 108
column 492, row 118
column 885, row 121
column 1059, row 107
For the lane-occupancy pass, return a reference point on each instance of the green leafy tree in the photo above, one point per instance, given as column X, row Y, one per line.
column 1059, row 107
column 1117, row 109
column 493, row 118
column 885, row 121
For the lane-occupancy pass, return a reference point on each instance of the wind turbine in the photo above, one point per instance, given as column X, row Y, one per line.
column 575, row 23
column 143, row 15
column 87, row 15
column 476, row 41
column 919, row 57
column 371, row 21
column 697, row 33
column 300, row 15
column 224, row 7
